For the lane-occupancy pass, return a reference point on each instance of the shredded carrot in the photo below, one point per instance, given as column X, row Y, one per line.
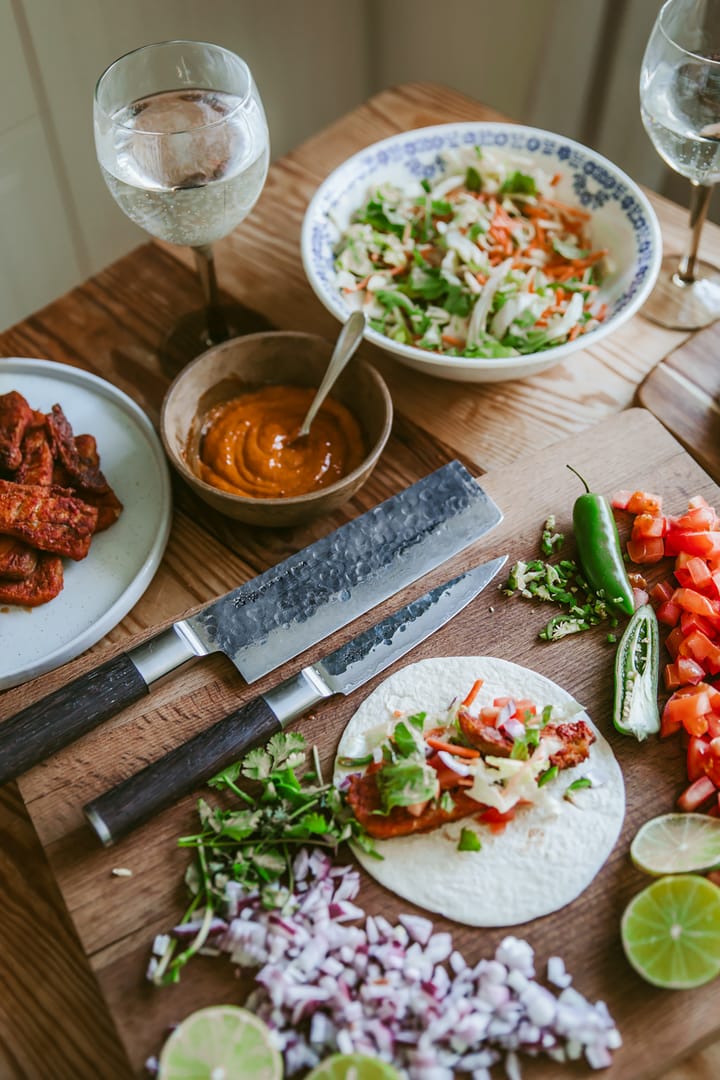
column 474, row 691
column 455, row 342
column 556, row 179
column 451, row 748
column 573, row 332
column 574, row 210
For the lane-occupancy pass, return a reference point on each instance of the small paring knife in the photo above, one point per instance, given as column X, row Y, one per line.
column 163, row 782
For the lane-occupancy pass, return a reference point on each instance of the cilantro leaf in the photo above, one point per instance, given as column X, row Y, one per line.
column 283, row 750
column 473, row 179
column 524, row 743
column 404, row 740
column 518, row 183
column 406, row 783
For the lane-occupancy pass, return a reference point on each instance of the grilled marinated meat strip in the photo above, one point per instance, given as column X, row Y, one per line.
column 15, row 417
column 47, row 520
column 80, row 464
column 37, row 463
column 484, row 737
column 108, row 505
column 42, row 585
column 363, row 797
column 17, row 559
column 576, row 737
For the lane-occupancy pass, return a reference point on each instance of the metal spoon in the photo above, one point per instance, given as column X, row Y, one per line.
column 348, row 340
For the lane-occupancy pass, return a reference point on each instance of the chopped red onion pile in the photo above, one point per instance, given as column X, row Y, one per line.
column 328, row 982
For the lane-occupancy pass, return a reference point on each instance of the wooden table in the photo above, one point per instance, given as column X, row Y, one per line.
column 53, row 1022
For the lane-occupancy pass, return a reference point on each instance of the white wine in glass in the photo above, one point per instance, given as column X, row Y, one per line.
column 680, row 107
column 183, row 146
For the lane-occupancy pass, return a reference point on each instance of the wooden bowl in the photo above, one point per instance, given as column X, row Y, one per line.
column 282, row 357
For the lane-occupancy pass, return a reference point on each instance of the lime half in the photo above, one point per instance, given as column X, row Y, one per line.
column 353, row 1067
column 223, row 1042
column 671, row 932
column 677, row 844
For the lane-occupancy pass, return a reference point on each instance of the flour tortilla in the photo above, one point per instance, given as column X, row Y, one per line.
column 546, row 856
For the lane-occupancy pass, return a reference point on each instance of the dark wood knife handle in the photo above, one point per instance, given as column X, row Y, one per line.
column 165, row 781
column 63, row 716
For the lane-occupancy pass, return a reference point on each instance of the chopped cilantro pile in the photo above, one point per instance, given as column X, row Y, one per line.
column 561, row 583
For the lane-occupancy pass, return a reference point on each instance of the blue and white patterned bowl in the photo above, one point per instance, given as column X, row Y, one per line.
column 623, row 221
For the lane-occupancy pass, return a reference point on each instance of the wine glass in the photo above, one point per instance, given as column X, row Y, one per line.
column 183, row 146
column 680, row 106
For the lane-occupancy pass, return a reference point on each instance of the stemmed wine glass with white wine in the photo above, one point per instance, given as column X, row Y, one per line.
column 183, row 146
column 680, row 105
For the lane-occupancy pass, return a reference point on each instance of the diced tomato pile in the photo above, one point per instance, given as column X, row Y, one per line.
column 689, row 604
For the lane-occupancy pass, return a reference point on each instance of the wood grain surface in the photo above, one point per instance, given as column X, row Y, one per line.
column 58, row 1025
column 683, row 391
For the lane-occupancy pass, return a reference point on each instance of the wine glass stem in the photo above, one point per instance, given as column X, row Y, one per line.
column 217, row 328
column 699, row 202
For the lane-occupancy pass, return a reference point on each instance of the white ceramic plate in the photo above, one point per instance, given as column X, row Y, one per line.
column 623, row 221
column 100, row 589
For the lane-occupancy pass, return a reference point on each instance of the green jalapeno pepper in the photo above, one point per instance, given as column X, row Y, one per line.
column 598, row 548
column 635, row 708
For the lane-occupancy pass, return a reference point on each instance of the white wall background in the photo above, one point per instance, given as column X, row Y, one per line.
column 568, row 65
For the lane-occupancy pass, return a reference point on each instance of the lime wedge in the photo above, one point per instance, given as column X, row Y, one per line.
column 353, row 1067
column 222, row 1042
column 671, row 932
column 677, row 844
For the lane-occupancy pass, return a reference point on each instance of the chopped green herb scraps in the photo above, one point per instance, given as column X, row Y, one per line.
column 551, row 540
column 561, row 583
column 577, row 785
column 547, row 776
column 355, row 762
column 469, row 841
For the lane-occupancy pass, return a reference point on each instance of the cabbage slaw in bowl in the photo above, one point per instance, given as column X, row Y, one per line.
column 622, row 221
column 485, row 261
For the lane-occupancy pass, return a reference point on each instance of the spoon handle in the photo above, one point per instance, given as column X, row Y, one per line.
column 348, row 340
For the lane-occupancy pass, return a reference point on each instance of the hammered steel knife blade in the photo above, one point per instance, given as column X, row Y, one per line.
column 275, row 616
column 163, row 782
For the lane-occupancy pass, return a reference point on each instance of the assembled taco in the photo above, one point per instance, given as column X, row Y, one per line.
column 489, row 793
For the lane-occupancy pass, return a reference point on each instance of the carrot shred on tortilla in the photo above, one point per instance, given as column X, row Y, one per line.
column 473, row 693
column 452, row 748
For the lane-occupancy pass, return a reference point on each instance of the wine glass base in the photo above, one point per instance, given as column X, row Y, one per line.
column 190, row 336
column 681, row 305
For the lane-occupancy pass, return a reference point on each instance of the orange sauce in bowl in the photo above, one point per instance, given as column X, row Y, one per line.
column 247, row 447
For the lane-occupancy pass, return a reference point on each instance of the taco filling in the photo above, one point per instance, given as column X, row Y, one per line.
column 481, row 760
column 479, row 783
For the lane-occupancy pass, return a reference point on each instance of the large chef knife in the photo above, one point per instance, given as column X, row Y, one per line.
column 165, row 781
column 274, row 616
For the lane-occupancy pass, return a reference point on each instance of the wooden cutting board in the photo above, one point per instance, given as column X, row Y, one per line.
column 117, row 917
column 683, row 391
